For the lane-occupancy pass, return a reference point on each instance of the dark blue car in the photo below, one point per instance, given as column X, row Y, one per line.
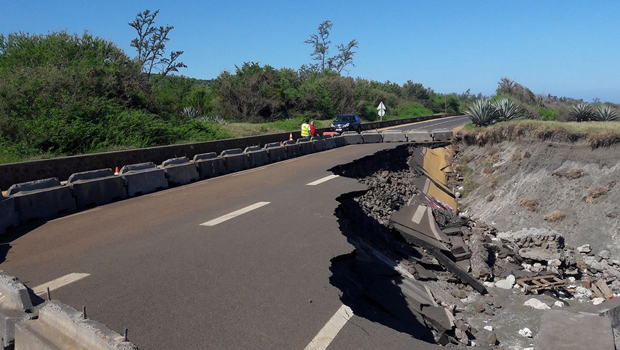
column 347, row 122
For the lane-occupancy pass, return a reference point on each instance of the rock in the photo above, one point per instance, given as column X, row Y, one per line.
column 489, row 284
column 554, row 263
column 479, row 257
column 488, row 311
column 586, row 248
column 489, row 328
column 492, row 339
column 460, row 294
column 460, row 324
column 582, row 293
column 537, row 267
column 525, row 332
column 597, row 301
column 604, row 254
column 540, row 254
column 536, row 304
column 615, row 286
column 616, row 262
column 479, row 307
column 506, row 283
column 461, row 336
column 558, row 304
column 596, row 266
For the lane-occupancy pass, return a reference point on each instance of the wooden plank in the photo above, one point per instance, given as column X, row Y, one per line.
column 602, row 286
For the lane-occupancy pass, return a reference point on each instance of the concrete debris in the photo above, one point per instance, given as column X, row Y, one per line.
column 597, row 301
column 586, row 248
column 507, row 283
column 558, row 304
column 525, row 332
column 489, row 328
column 536, row 304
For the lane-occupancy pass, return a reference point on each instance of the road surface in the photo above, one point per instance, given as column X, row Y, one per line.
column 238, row 261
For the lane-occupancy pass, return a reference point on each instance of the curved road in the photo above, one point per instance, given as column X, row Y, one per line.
column 181, row 271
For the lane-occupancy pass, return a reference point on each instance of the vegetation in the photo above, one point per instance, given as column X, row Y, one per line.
column 596, row 134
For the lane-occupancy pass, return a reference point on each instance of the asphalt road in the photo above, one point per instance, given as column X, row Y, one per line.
column 259, row 280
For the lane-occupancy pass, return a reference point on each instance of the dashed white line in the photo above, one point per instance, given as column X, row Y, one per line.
column 59, row 282
column 234, row 214
column 327, row 334
column 320, row 181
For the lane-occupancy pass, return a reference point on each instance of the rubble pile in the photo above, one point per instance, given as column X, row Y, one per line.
column 388, row 191
column 459, row 258
column 529, row 253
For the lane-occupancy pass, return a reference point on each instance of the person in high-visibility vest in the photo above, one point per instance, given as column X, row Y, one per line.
column 305, row 129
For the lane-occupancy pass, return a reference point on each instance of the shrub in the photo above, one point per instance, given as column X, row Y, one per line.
column 529, row 204
column 606, row 114
column 583, row 112
column 506, row 109
column 554, row 216
column 481, row 112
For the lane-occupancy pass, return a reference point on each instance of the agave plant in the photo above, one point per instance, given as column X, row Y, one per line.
column 190, row 112
column 583, row 112
column 506, row 109
column 607, row 114
column 481, row 112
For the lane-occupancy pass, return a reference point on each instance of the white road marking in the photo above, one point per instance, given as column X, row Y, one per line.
column 234, row 214
column 59, row 282
column 320, row 181
column 327, row 334
column 419, row 213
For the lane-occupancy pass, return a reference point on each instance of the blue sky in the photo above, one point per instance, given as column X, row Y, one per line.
column 565, row 48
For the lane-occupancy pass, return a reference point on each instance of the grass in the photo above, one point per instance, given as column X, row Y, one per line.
column 529, row 204
column 554, row 216
column 252, row 129
column 469, row 184
column 596, row 134
column 572, row 174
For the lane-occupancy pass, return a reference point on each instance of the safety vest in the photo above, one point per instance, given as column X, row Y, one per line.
column 305, row 130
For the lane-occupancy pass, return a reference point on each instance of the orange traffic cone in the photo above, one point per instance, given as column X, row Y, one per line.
column 116, row 171
column 291, row 136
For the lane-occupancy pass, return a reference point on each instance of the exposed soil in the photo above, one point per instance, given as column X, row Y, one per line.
column 565, row 187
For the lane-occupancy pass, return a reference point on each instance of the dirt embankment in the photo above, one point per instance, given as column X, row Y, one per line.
column 570, row 188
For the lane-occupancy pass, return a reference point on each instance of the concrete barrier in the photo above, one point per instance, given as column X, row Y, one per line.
column 292, row 149
column 96, row 187
column 319, row 144
column 276, row 152
column 394, row 136
column 62, row 327
column 418, row 136
column 8, row 215
column 352, row 138
column 257, row 156
column 209, row 165
column 371, row 137
column 330, row 142
column 180, row 171
column 41, row 199
column 143, row 178
column 305, row 145
column 63, row 167
column 235, row 160
column 340, row 141
column 15, row 306
column 441, row 135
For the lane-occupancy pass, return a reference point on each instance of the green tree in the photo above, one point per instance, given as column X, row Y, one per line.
column 151, row 45
column 321, row 42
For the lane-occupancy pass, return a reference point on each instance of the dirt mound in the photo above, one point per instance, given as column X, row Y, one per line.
column 565, row 187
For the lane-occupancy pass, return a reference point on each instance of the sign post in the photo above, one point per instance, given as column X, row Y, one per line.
column 381, row 110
